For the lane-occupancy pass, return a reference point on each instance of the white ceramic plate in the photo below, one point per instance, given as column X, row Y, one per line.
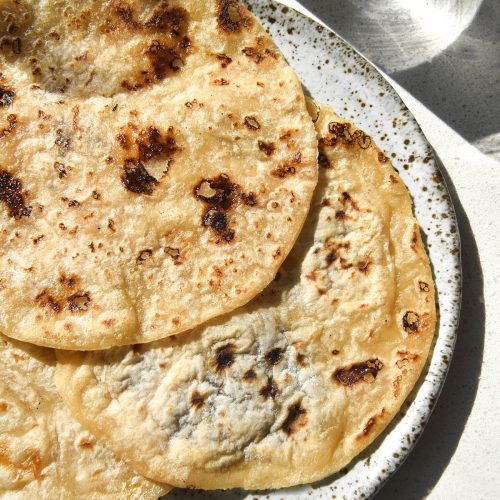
column 334, row 73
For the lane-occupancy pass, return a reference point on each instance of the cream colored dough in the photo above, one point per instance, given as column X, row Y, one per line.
column 157, row 163
column 288, row 389
column 44, row 452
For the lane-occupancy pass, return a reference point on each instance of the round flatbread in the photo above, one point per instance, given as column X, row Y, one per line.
column 288, row 389
column 157, row 163
column 44, row 452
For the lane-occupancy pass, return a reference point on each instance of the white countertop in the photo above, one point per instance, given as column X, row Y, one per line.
column 458, row 455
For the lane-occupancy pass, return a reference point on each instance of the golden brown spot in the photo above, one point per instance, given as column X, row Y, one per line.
column 232, row 17
column 423, row 286
column 340, row 133
column 364, row 141
column 86, row 443
column 218, row 221
column 144, row 255
column 301, row 359
column 369, row 425
column 366, row 430
column 249, row 376
column 151, row 144
column 11, row 194
column 78, row 302
column 411, row 322
column 393, row 179
column 225, row 61
column 174, row 253
column 43, row 115
column 251, row 123
column 274, row 356
column 169, row 47
column 220, row 194
column 331, row 258
column 364, row 266
column 248, row 199
column 259, row 53
column 358, row 372
column 224, row 357
column 347, row 199
column 193, row 104
column 270, row 389
column 267, row 147
column 414, row 238
column 124, row 140
column 283, row 171
column 198, row 399
column 221, row 82
column 137, row 179
column 3, row 406
column 406, row 358
column 381, row 157
column 45, row 300
column 296, row 417
column 60, row 169
column 171, row 20
column 68, row 281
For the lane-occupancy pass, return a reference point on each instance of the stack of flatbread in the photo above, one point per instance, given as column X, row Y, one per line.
column 206, row 280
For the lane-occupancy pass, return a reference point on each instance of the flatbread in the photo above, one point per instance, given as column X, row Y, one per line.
column 288, row 389
column 44, row 452
column 157, row 163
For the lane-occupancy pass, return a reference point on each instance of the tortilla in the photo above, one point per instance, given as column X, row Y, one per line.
column 44, row 452
column 291, row 387
column 157, row 163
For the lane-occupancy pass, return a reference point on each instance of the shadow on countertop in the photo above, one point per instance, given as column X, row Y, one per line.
column 432, row 453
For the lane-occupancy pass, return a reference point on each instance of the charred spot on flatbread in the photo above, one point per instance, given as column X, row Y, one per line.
column 366, row 371
column 296, row 417
column 12, row 195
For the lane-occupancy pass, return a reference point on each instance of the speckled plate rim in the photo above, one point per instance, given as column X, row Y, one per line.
column 333, row 72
